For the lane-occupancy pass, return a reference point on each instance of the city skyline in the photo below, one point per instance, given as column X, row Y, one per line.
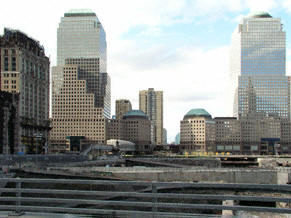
column 158, row 43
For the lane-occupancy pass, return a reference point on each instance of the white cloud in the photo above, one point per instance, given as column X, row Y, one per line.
column 194, row 78
column 40, row 20
column 152, row 31
column 261, row 5
column 238, row 18
column 286, row 4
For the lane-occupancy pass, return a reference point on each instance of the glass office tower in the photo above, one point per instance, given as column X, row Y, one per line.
column 80, row 85
column 81, row 35
column 258, row 66
column 81, row 40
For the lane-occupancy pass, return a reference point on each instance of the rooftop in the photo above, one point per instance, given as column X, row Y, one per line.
column 197, row 112
column 260, row 14
column 225, row 118
column 12, row 38
column 80, row 13
column 123, row 100
column 135, row 114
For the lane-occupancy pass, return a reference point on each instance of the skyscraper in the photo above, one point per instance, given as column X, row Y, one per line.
column 81, row 85
column 82, row 41
column 258, row 67
column 151, row 103
column 81, row 35
column 165, row 136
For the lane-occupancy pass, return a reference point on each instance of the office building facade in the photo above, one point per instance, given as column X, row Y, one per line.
column 9, row 122
column 177, row 139
column 258, row 66
column 81, row 86
column 74, row 113
column 165, row 136
column 228, row 134
column 81, row 40
column 97, row 83
column 25, row 71
column 151, row 103
column 81, row 35
column 252, row 135
column 248, row 135
column 134, row 126
column 122, row 106
column 197, row 131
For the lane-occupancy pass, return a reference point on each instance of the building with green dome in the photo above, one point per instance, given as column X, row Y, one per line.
column 259, row 14
column 138, row 114
column 197, row 112
column 197, row 131
column 247, row 135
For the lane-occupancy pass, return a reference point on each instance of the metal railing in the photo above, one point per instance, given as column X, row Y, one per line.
column 132, row 198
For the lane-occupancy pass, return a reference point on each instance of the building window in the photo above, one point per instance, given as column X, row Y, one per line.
column 6, row 64
column 13, row 60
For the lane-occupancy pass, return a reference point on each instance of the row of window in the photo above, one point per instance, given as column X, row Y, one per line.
column 7, row 86
column 7, row 81
column 13, row 52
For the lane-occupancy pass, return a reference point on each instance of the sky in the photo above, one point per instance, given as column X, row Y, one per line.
column 178, row 46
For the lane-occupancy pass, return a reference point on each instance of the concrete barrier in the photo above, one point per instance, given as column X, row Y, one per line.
column 15, row 160
column 166, row 174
